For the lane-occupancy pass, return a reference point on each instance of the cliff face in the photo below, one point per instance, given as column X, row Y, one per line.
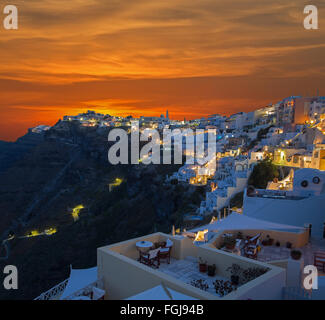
column 10, row 152
column 69, row 168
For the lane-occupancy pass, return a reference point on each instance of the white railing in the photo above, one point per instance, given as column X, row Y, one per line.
column 53, row 292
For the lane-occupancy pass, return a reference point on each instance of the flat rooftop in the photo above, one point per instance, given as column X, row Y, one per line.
column 124, row 276
column 186, row 270
column 274, row 253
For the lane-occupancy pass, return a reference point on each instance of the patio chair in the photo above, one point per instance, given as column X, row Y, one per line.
column 169, row 243
column 251, row 252
column 151, row 258
column 252, row 245
column 252, row 240
column 319, row 260
column 164, row 253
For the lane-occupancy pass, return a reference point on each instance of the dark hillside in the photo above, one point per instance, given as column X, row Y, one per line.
column 69, row 169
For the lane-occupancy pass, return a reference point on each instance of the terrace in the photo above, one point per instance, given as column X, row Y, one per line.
column 276, row 248
column 186, row 270
column 277, row 252
column 124, row 276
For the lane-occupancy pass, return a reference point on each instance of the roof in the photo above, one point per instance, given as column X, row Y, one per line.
column 237, row 221
column 160, row 293
column 79, row 279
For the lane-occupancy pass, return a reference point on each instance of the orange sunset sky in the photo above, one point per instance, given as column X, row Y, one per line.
column 141, row 57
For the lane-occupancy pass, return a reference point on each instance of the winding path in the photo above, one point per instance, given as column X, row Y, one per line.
column 22, row 220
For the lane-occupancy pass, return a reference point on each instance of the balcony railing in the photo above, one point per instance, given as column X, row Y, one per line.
column 54, row 292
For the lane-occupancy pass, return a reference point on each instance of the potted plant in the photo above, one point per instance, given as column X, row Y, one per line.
column 235, row 271
column 252, row 273
column 295, row 254
column 268, row 241
column 223, row 287
column 229, row 242
column 240, row 235
column 201, row 284
column 211, row 270
column 202, row 265
column 289, row 245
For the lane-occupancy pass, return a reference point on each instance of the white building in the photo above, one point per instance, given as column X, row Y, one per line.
column 229, row 181
column 302, row 206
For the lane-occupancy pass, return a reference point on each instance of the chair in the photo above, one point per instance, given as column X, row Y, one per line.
column 151, row 258
column 252, row 240
column 319, row 260
column 97, row 294
column 164, row 253
column 238, row 243
column 251, row 252
column 169, row 243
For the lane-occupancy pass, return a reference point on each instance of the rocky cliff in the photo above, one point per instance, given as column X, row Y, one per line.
column 10, row 152
column 62, row 184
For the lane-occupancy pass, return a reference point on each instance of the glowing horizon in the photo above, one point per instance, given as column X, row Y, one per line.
column 143, row 57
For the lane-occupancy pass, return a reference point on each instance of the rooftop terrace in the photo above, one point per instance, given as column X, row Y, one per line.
column 124, row 276
column 274, row 253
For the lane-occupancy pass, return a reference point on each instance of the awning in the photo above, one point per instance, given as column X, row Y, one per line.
column 236, row 221
column 160, row 293
column 79, row 279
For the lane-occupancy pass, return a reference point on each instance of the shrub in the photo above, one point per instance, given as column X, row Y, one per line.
column 223, row 287
column 201, row 284
column 296, row 254
column 252, row 273
column 263, row 172
column 229, row 242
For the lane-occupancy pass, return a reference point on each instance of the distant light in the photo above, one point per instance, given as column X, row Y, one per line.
column 76, row 211
column 117, row 181
column 33, row 233
column 50, row 231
